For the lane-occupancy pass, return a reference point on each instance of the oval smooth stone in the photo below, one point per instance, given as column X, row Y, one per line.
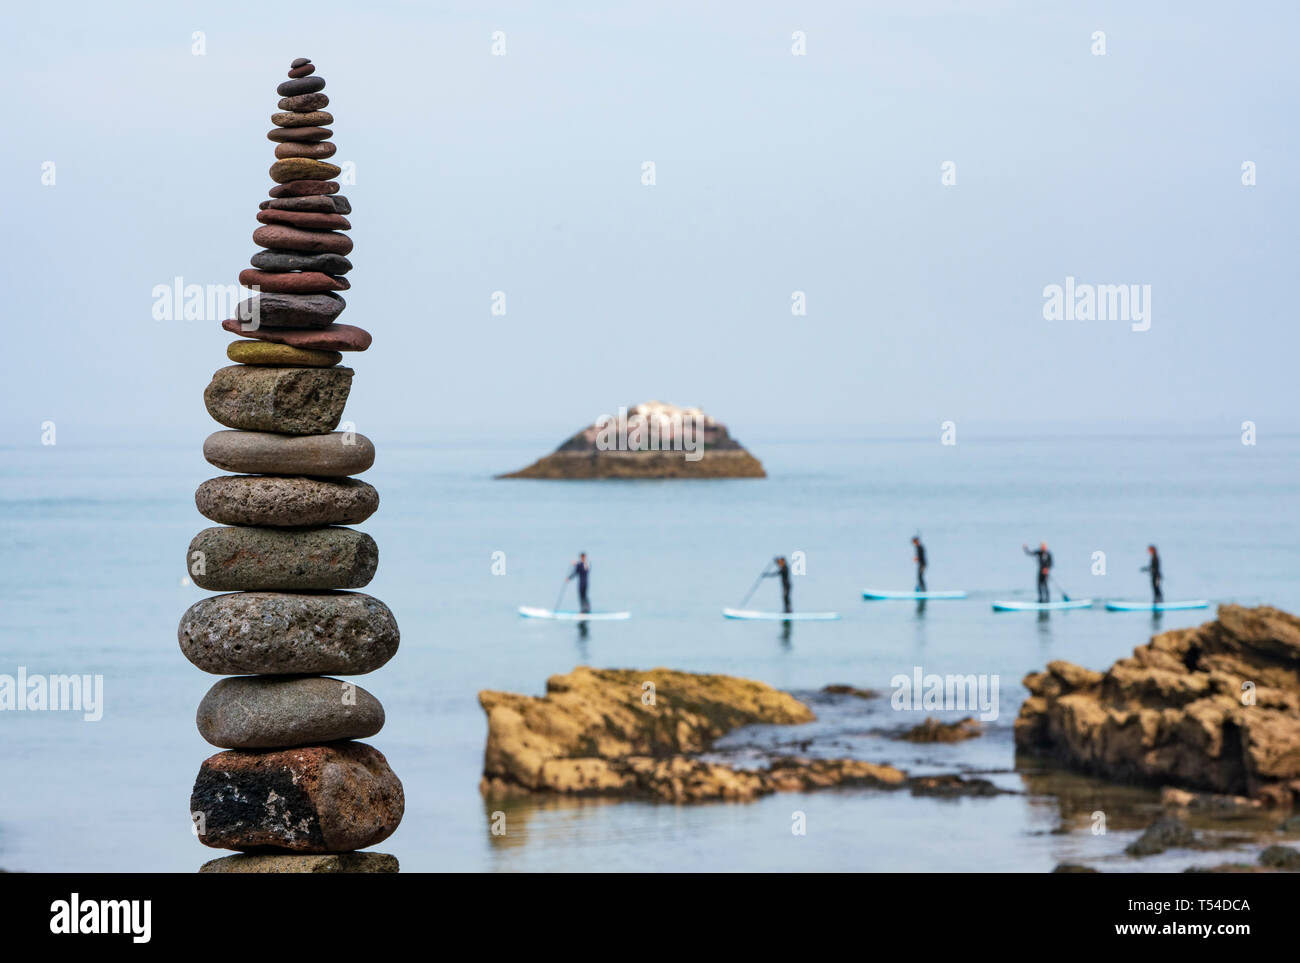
column 303, row 169
column 300, row 261
column 299, row 62
column 336, row 455
column 318, row 203
column 291, row 310
column 288, row 633
column 270, row 353
column 236, row 557
column 304, row 102
column 306, row 70
column 300, row 85
column 303, row 188
column 317, row 150
column 290, row 401
column 310, row 118
column 257, row 712
column 285, row 502
column 291, row 282
column 337, row 337
column 300, row 135
column 283, row 863
column 284, row 238
column 307, row 220
column 313, row 799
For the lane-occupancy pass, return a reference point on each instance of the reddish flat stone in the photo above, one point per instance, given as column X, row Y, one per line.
column 320, row 203
column 308, row 220
column 306, row 70
column 303, row 188
column 279, row 237
column 291, row 282
column 336, row 337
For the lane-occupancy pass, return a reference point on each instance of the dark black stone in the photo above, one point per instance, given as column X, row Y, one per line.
column 335, row 264
column 294, row 310
column 231, row 807
column 301, row 85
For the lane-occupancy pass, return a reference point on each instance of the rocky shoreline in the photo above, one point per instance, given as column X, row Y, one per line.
column 1214, row 709
column 634, row 733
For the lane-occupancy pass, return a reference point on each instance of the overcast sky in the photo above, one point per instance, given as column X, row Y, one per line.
column 774, row 173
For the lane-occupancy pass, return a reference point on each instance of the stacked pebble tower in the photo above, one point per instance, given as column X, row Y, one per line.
column 293, row 792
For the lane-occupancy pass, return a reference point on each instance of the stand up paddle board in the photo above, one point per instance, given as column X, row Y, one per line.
column 900, row 596
column 1041, row 606
column 1155, row 606
column 529, row 612
column 780, row 616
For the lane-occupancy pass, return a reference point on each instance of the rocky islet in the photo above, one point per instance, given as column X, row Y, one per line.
column 291, row 787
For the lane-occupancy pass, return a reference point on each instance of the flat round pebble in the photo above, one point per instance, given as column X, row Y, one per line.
column 269, row 353
column 281, row 237
column 304, row 188
column 307, row 134
column 257, row 712
column 263, row 453
column 337, row 337
column 304, row 102
column 300, row 85
column 318, row 150
column 300, row 261
column 285, row 502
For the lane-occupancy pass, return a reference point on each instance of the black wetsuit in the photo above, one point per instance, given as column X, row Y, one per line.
column 580, row 572
column 1157, row 591
column 783, row 571
column 920, row 567
column 1044, row 569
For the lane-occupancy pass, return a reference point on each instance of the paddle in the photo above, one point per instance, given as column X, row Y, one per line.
column 1059, row 589
column 754, row 588
column 563, row 587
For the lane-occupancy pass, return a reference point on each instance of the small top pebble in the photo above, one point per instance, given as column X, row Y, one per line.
column 300, row 62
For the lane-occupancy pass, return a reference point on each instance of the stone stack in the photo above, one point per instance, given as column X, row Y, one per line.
column 293, row 791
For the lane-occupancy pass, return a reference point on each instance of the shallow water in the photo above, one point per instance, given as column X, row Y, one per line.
column 92, row 544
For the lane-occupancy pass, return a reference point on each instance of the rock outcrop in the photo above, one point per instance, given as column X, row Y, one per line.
column 291, row 787
column 932, row 730
column 650, row 440
column 628, row 732
column 1214, row 708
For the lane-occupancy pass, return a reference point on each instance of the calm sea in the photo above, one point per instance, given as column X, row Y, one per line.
column 92, row 544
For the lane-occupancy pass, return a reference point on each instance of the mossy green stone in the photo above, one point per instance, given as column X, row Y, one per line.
column 267, row 353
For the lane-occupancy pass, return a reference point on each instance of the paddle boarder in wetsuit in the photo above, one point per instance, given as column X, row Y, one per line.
column 919, row 559
column 783, row 571
column 1154, row 568
column 581, row 569
column 1044, row 569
